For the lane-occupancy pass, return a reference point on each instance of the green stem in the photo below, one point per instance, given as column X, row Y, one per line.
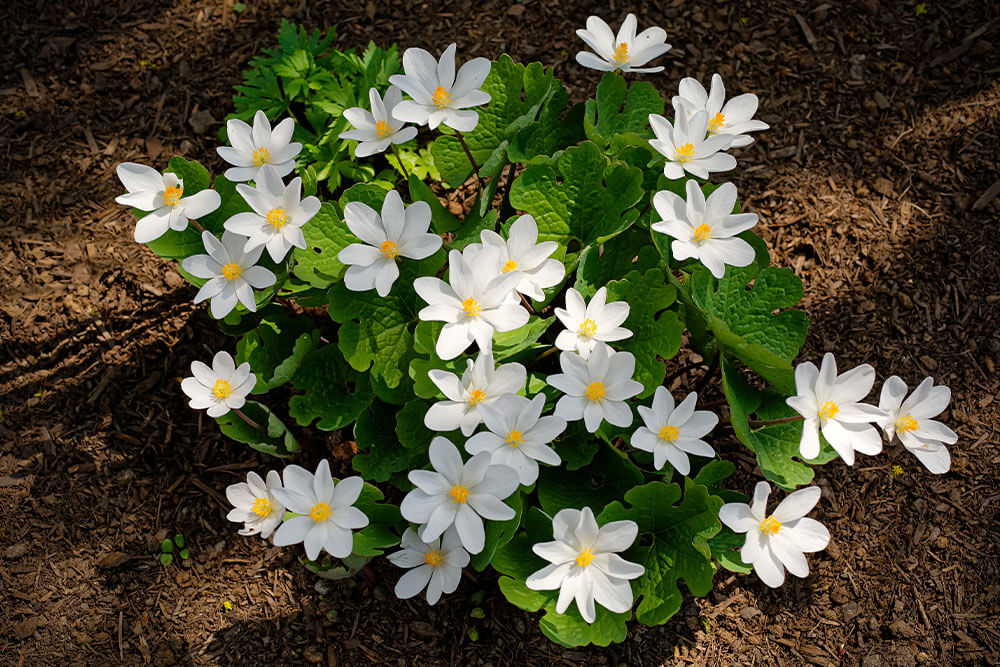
column 196, row 225
column 472, row 160
column 400, row 161
column 761, row 423
column 239, row 413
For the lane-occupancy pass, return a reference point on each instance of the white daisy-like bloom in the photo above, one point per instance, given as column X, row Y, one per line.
column 435, row 565
column 625, row 51
column 254, row 504
column 522, row 252
column 326, row 510
column 253, row 147
column 734, row 117
column 831, row 403
column 588, row 324
column 479, row 386
column 221, row 388
column 688, row 147
column 473, row 304
column 439, row 95
column 911, row 420
column 232, row 273
column 705, row 228
column 377, row 129
column 518, row 435
column 779, row 540
column 585, row 565
column 400, row 231
column 672, row 433
column 277, row 217
column 458, row 494
column 596, row 388
column 162, row 195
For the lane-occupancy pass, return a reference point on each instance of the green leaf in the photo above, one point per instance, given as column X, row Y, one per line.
column 410, row 429
column 509, row 343
column 607, row 477
column 381, row 453
column 619, row 108
column 441, row 220
column 600, row 264
column 725, row 548
column 576, row 447
column 167, row 546
column 382, row 519
column 326, row 235
column 672, row 544
column 275, row 349
column 275, row 438
column 499, row 533
column 656, row 331
column 334, row 393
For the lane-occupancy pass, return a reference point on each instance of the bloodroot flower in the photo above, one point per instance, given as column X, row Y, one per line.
column 377, row 129
column 735, row 118
column 221, row 388
column 686, row 147
column 435, row 565
column 252, row 148
column 521, row 252
column 627, row 51
column 672, row 433
column 439, row 95
column 590, row 324
column 254, row 504
column 911, row 421
column 479, row 386
column 232, row 273
column 163, row 196
column 596, row 388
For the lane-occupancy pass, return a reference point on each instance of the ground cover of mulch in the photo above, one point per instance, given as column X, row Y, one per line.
column 878, row 183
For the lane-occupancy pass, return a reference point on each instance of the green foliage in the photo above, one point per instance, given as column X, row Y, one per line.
column 334, row 393
column 268, row 434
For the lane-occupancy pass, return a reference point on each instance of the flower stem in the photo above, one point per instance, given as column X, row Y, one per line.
column 472, row 160
column 544, row 354
column 757, row 423
column 400, row 161
column 239, row 413
column 196, row 225
column 527, row 304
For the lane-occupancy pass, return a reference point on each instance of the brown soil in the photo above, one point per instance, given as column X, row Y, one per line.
column 878, row 183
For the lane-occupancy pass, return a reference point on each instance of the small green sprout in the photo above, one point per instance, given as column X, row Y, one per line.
column 167, row 550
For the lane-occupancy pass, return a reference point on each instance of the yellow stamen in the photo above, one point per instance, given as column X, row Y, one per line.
column 770, row 525
column 685, row 152
column 475, row 397
column 587, row 328
column 389, row 250
column 471, row 307
column 511, row 265
column 231, row 271
column 441, row 97
column 515, row 438
column 261, row 507
column 906, row 423
column 172, row 195
column 596, row 391
column 434, row 557
column 669, row 433
column 277, row 218
column 382, row 129
column 261, row 156
column 702, row 233
column 319, row 512
column 585, row 558
column 716, row 122
column 828, row 410
column 620, row 56
column 459, row 494
column 221, row 389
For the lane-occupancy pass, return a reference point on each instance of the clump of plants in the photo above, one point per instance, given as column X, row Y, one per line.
column 503, row 373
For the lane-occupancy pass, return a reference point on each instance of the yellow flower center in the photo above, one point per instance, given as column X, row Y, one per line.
column 441, row 97
column 669, row 433
column 319, row 512
column 906, row 423
column 828, row 410
column 389, row 250
column 716, row 122
column 511, row 265
column 231, row 271
column 221, row 389
column 261, row 507
column 459, row 494
column 172, row 195
column 382, row 129
column 596, row 391
column 515, row 438
column 434, row 557
column 770, row 525
column 476, row 396
column 277, row 218
column 620, row 55
column 587, row 328
column 471, row 307
column 261, row 156
column 585, row 558
column 685, row 152
column 702, row 233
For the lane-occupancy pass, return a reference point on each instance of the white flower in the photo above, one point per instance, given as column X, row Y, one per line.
column 734, row 119
column 590, row 324
column 831, row 403
column 252, row 148
column 458, row 494
column 518, row 435
column 626, row 51
column 779, row 540
column 163, row 194
column 473, row 303
column 439, row 96
column 232, row 272
column 326, row 510
column 910, row 421
column 585, row 564
column 686, row 147
column 377, row 129
column 277, row 217
column 221, row 388
column 255, row 505
column 480, row 385
column 399, row 232
column 435, row 565
column 673, row 433
column 522, row 252
column 596, row 388
column 705, row 228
